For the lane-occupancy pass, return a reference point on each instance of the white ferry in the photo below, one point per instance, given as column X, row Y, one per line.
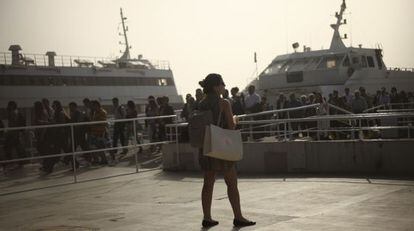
column 333, row 69
column 26, row 78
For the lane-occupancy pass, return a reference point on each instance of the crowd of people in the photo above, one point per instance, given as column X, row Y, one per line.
column 357, row 102
column 58, row 140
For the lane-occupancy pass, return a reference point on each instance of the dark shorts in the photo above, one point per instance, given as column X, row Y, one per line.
column 212, row 164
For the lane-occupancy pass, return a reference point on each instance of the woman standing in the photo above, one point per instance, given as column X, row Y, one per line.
column 213, row 87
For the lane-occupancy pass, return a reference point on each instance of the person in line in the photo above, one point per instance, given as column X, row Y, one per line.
column 61, row 134
column 188, row 107
column 252, row 101
column 48, row 108
column 336, row 101
column 226, row 94
column 367, row 98
column 12, row 141
column 213, row 87
column 132, row 113
column 43, row 137
column 119, row 128
column 384, row 99
column 294, row 114
column 282, row 103
column 152, row 110
column 348, row 98
column 395, row 98
column 322, row 110
column 98, row 133
column 80, row 139
column 199, row 95
column 359, row 104
column 311, row 112
column 237, row 103
column 165, row 110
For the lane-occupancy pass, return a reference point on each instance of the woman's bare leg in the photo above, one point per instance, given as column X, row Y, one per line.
column 207, row 193
column 230, row 178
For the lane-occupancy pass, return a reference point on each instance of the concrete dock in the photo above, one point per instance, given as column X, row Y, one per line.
column 159, row 200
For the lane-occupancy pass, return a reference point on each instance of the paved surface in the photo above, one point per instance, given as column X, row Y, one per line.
column 157, row 200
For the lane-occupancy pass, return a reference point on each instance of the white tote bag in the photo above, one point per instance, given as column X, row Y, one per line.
column 222, row 143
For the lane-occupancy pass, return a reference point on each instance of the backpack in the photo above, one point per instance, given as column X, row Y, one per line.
column 197, row 125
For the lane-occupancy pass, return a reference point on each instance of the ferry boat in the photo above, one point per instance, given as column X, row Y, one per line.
column 336, row 68
column 26, row 78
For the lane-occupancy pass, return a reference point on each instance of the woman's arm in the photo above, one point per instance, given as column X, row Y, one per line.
column 228, row 113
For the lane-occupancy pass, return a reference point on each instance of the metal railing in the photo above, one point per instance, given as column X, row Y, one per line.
column 407, row 69
column 389, row 106
column 345, row 123
column 40, row 60
column 357, row 123
column 74, row 153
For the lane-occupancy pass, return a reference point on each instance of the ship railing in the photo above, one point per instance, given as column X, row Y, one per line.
column 389, row 125
column 391, row 106
column 405, row 69
column 76, row 153
column 39, row 60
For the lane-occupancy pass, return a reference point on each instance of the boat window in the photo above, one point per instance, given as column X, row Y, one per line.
column 331, row 62
column 313, row 64
column 322, row 64
column 346, row 62
column 162, row 82
column 298, row 65
column 269, row 70
column 355, row 60
column 370, row 60
column 277, row 67
column 286, row 66
column 363, row 61
column 294, row 77
column 83, row 81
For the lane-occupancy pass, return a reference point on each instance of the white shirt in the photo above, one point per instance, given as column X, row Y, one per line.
column 252, row 100
column 349, row 99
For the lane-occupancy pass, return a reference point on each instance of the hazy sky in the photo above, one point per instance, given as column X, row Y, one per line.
column 203, row 36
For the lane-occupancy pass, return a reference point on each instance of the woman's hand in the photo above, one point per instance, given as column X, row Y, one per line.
column 236, row 120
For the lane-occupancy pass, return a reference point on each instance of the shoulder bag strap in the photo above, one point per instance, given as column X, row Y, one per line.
column 219, row 118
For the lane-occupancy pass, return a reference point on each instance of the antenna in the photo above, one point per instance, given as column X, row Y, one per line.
column 337, row 42
column 255, row 61
column 126, row 55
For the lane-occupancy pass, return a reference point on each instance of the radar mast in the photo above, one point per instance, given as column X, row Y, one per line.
column 337, row 43
column 126, row 56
